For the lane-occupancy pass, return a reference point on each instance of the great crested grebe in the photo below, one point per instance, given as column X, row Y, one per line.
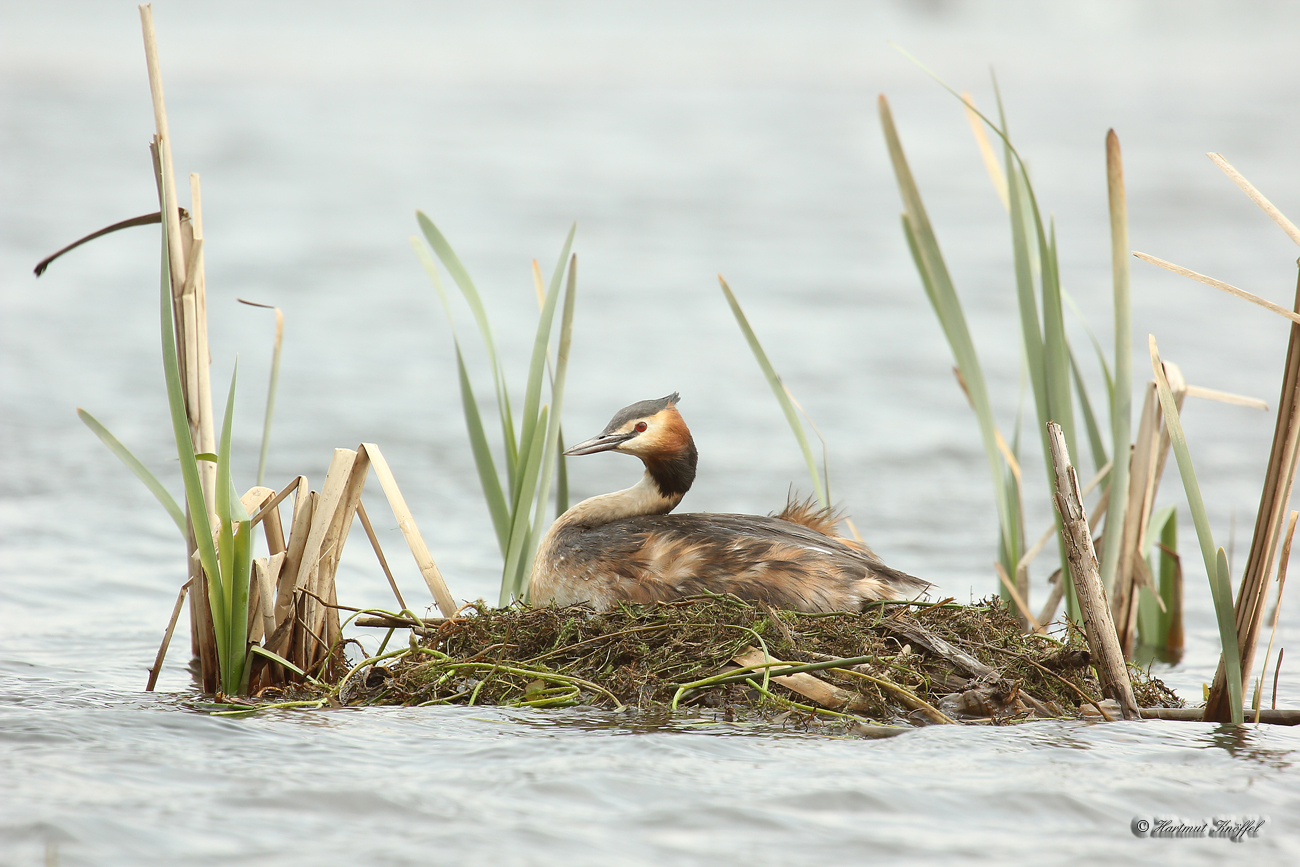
column 625, row 545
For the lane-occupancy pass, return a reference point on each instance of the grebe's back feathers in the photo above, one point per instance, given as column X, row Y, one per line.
column 656, row 558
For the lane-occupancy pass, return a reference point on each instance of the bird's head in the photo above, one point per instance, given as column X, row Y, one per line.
column 654, row 431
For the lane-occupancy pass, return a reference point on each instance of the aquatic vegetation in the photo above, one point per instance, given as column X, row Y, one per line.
column 821, row 483
column 532, row 456
column 1050, row 363
column 1143, row 611
column 894, row 662
column 255, row 622
column 1239, row 626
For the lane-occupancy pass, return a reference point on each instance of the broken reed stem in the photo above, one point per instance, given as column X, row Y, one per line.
column 379, row 552
column 1219, row 284
column 1098, row 626
column 1279, row 479
column 167, row 636
column 406, row 522
column 1255, row 196
column 296, row 589
column 170, row 216
column 1193, row 714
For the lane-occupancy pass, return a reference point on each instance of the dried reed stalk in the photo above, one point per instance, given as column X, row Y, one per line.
column 406, row 522
column 807, row 685
column 1147, row 462
column 379, row 553
column 1121, row 400
column 201, row 419
column 293, row 608
column 326, row 620
column 1027, row 619
column 1277, row 613
column 156, row 669
column 1256, row 196
column 1193, row 714
column 304, row 505
column 1098, row 626
column 1269, row 521
column 1220, row 285
column 254, row 502
column 261, row 601
column 185, row 245
column 1054, row 597
column 306, row 635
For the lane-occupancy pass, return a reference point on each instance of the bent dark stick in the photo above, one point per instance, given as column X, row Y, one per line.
column 145, row 220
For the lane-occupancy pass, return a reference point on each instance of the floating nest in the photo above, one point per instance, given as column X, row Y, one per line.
column 893, row 663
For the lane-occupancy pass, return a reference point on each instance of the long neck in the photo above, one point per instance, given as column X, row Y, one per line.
column 643, row 498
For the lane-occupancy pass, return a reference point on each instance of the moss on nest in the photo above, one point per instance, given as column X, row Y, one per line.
column 922, row 662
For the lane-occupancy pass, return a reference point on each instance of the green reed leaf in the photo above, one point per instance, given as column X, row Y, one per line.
column 462, row 279
column 1216, row 562
column 134, row 465
column 198, row 510
column 549, row 448
column 537, row 362
column 483, row 462
column 778, row 388
column 943, row 297
column 512, row 580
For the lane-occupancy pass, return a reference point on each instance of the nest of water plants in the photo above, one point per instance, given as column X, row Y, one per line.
column 892, row 663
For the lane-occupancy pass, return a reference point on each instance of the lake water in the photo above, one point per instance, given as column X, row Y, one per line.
column 686, row 140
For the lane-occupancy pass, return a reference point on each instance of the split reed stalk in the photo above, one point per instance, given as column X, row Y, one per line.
column 1098, row 626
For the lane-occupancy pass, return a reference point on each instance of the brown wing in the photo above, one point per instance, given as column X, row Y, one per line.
column 661, row 557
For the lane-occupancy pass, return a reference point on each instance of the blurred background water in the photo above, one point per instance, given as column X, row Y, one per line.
column 686, row 140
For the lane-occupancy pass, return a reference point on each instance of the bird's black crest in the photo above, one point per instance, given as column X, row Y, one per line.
column 641, row 409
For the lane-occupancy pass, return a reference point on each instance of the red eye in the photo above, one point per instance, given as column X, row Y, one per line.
column 640, row 426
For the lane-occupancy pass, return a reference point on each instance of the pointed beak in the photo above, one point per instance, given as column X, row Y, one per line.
column 601, row 443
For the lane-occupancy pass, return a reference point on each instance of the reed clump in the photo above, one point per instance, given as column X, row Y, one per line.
column 893, row 663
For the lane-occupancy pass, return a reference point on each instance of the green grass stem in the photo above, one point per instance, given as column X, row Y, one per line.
column 272, row 387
